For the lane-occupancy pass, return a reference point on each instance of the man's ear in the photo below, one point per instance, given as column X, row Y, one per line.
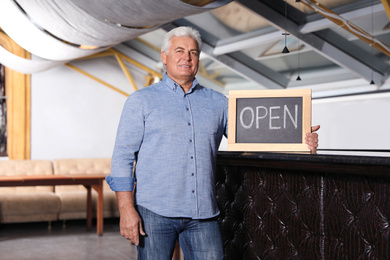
column 164, row 57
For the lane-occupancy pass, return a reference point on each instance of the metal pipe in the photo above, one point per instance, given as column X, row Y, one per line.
column 347, row 25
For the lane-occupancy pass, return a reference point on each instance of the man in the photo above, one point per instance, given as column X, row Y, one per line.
column 172, row 130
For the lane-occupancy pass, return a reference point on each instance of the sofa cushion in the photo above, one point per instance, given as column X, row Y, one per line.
column 74, row 205
column 74, row 197
column 26, row 167
column 81, row 166
column 26, row 207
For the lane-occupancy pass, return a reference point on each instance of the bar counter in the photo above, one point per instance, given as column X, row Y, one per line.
column 303, row 206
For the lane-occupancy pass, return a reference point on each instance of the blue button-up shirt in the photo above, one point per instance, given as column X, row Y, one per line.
column 174, row 138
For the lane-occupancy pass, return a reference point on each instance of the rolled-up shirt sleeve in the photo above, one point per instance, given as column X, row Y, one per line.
column 127, row 144
column 120, row 183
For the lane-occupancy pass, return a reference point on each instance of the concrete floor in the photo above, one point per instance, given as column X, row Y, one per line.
column 34, row 241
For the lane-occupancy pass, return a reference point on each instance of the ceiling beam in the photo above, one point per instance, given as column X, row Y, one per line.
column 270, row 34
column 246, row 71
column 325, row 23
column 247, row 40
column 386, row 5
column 320, row 45
column 239, row 64
column 348, row 26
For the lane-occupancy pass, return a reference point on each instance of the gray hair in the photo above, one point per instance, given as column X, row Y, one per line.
column 182, row 31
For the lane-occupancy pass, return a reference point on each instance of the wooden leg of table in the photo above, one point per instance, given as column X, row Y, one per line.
column 99, row 210
column 89, row 207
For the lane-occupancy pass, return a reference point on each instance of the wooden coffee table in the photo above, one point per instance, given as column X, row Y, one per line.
column 94, row 181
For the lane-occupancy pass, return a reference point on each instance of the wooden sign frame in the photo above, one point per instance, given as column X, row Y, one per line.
column 272, row 147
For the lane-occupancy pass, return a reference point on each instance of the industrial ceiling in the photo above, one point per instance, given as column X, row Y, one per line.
column 334, row 47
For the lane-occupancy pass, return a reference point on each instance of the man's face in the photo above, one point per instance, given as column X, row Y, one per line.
column 182, row 60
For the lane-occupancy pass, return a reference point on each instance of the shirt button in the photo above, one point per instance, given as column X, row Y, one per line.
column 193, row 191
column 190, row 140
column 192, row 174
column 187, row 108
column 192, row 157
column 189, row 123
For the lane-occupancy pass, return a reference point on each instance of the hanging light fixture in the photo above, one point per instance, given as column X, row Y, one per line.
column 372, row 77
column 285, row 49
column 372, row 40
column 299, row 58
column 299, row 61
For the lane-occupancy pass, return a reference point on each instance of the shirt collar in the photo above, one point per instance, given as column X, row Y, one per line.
column 170, row 83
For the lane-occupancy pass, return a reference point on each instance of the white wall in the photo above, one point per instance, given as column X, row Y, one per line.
column 73, row 116
column 354, row 122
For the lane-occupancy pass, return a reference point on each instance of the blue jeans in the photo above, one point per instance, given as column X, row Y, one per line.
column 199, row 239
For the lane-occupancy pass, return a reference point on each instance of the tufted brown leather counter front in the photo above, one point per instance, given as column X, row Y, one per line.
column 302, row 206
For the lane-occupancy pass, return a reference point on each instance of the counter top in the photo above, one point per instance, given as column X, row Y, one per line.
column 322, row 163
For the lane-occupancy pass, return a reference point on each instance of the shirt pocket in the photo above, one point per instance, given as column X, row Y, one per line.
column 207, row 122
column 165, row 121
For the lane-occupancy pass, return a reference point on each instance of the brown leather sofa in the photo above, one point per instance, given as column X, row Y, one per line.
column 32, row 203
column 73, row 197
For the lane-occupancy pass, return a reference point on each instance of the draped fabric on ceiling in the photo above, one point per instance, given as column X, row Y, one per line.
column 61, row 30
column 18, row 91
column 58, row 31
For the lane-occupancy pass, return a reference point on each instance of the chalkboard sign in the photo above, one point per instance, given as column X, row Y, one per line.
column 269, row 120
